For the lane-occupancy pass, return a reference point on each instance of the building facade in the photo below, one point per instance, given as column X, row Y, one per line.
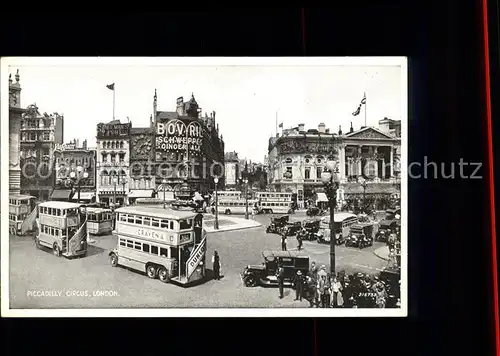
column 232, row 171
column 73, row 157
column 297, row 158
column 189, row 150
column 142, row 169
column 112, row 180
column 15, row 118
column 39, row 135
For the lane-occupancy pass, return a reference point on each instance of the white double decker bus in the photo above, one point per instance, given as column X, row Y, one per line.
column 275, row 202
column 163, row 243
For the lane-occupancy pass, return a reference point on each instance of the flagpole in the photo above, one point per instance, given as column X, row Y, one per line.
column 276, row 122
column 365, row 106
column 113, row 101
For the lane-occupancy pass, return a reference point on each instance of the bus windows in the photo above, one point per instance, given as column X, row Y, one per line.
column 122, row 242
column 130, row 219
column 137, row 245
column 185, row 224
column 164, row 224
column 163, row 252
column 154, row 250
column 171, row 225
column 138, row 220
column 155, row 222
column 130, row 244
column 147, row 221
column 145, row 248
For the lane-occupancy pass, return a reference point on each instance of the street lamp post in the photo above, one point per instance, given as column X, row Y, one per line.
column 216, row 223
column 115, row 181
column 363, row 183
column 246, row 197
column 164, row 184
column 330, row 180
column 77, row 178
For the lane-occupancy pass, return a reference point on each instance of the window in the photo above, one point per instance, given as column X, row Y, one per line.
column 154, row 250
column 185, row 224
column 138, row 220
column 147, row 221
column 319, row 170
column 104, row 157
column 145, row 248
column 307, row 173
column 137, row 245
column 288, row 160
column 122, row 157
column 288, row 173
column 46, row 136
column 171, row 225
column 163, row 252
column 122, row 242
column 130, row 244
column 164, row 224
column 123, row 217
column 130, row 219
column 155, row 222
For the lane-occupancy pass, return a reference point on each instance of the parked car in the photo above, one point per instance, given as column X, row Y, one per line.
column 291, row 228
column 360, row 236
column 314, row 211
column 265, row 273
column 312, row 228
column 277, row 223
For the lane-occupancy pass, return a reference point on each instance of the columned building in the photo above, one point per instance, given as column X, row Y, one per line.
column 112, row 180
column 297, row 158
column 142, row 173
column 188, row 148
column 40, row 133
column 15, row 117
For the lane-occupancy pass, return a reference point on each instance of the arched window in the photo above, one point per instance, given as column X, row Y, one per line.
column 121, row 144
column 288, row 160
column 308, row 159
column 320, row 159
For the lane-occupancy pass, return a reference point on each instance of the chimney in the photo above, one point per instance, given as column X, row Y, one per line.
column 384, row 125
column 340, row 130
column 301, row 128
column 321, row 128
column 351, row 129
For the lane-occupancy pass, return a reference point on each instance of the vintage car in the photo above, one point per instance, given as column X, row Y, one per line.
column 265, row 273
column 291, row 228
column 360, row 235
column 314, row 211
column 277, row 223
column 312, row 229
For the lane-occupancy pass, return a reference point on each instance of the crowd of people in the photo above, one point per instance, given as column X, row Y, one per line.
column 324, row 290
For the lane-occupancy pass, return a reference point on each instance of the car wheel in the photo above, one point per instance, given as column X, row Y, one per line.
column 250, row 281
column 113, row 259
column 151, row 271
column 163, row 275
column 56, row 250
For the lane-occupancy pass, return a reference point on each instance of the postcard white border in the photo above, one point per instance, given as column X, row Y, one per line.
column 201, row 61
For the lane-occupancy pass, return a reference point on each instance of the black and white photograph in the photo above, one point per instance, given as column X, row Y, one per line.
column 269, row 187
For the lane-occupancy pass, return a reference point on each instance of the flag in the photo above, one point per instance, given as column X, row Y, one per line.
column 363, row 101
column 280, row 125
column 358, row 110
column 111, row 86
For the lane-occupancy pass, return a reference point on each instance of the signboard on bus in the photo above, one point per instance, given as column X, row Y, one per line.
column 196, row 257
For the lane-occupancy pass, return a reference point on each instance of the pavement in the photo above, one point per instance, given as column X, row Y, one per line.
column 91, row 282
column 228, row 223
column 382, row 252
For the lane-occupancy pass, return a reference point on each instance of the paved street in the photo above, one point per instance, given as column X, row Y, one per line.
column 80, row 282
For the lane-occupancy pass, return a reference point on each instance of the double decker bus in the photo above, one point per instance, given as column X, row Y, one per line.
column 99, row 220
column 275, row 202
column 342, row 225
column 63, row 228
column 232, row 206
column 163, row 243
column 22, row 214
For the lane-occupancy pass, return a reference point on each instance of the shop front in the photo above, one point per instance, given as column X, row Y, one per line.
column 139, row 193
column 118, row 198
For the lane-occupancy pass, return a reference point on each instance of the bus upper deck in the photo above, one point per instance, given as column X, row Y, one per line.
column 22, row 213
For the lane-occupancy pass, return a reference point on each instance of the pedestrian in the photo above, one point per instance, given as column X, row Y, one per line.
column 280, row 275
column 216, row 265
column 298, row 285
column 324, row 289
column 311, row 292
column 283, row 241
column 300, row 234
column 336, row 292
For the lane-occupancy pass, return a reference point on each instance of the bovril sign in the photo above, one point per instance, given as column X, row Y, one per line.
column 175, row 135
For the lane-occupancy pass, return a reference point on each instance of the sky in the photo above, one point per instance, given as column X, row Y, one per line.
column 247, row 99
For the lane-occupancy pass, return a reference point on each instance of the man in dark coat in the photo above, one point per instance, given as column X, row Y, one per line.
column 298, row 285
column 280, row 274
column 283, row 241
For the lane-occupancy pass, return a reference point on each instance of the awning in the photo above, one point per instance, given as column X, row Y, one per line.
column 141, row 193
column 60, row 194
column 84, row 196
column 321, row 197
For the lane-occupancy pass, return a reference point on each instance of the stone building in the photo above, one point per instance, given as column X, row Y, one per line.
column 188, row 147
column 112, row 180
column 142, row 173
column 297, row 158
column 73, row 157
column 15, row 118
column 40, row 133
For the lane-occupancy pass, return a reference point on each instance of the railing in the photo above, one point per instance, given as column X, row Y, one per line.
column 28, row 223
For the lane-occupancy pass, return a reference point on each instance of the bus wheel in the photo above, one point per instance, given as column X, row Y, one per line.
column 163, row 275
column 151, row 271
column 113, row 259
column 56, row 250
column 228, row 212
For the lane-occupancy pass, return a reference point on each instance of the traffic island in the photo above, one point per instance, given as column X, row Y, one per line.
column 382, row 252
column 229, row 223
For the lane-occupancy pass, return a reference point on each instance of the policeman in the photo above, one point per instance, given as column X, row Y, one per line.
column 280, row 275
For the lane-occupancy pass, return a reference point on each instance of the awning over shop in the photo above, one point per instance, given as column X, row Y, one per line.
column 61, row 194
column 321, row 197
column 84, row 196
column 141, row 193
